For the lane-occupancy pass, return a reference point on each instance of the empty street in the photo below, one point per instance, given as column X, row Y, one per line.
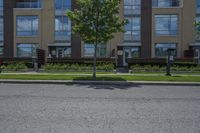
column 35, row 108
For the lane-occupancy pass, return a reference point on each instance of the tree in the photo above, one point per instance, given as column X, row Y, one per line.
column 96, row 21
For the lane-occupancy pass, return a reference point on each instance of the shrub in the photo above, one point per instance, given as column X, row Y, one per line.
column 78, row 67
column 156, row 68
column 14, row 67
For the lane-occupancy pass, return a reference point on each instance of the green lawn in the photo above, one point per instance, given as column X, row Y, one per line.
column 100, row 77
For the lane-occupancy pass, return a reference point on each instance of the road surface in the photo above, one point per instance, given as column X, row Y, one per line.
column 34, row 108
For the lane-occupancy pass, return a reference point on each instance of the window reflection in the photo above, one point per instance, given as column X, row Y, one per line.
column 27, row 25
column 89, row 50
column 62, row 4
column 28, row 3
column 26, row 50
column 166, row 25
column 161, row 49
column 132, row 7
column 133, row 29
column 166, row 3
column 62, row 28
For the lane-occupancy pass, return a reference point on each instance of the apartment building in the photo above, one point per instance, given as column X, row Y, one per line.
column 154, row 26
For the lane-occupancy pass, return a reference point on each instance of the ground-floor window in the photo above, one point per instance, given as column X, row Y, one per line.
column 89, row 50
column 1, row 50
column 196, row 51
column 161, row 49
column 133, row 52
column 59, row 51
column 26, row 50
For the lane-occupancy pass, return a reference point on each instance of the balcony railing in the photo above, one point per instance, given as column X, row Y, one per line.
column 167, row 3
column 28, row 5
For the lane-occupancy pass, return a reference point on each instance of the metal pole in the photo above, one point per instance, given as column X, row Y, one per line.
column 95, row 61
column 168, row 63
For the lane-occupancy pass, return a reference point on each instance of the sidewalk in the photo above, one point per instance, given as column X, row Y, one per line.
column 89, row 82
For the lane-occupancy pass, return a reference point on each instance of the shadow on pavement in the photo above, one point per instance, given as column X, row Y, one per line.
column 104, row 83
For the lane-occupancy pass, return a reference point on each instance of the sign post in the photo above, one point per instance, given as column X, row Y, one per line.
column 170, row 60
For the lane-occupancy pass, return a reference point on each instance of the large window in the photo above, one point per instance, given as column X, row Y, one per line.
column 1, row 21
column 197, row 28
column 166, row 3
column 28, row 3
column 1, row 50
column 132, row 6
column 59, row 51
column 161, row 49
column 26, row 50
column 166, row 25
column 1, row 5
column 89, row 50
column 62, row 28
column 133, row 29
column 27, row 25
column 62, row 4
column 198, row 6
column 1, row 28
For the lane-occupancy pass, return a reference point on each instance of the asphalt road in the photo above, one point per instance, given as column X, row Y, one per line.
column 30, row 108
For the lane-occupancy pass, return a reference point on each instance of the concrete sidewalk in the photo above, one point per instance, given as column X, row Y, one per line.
column 68, row 82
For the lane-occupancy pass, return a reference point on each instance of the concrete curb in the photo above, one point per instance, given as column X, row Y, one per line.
column 121, row 83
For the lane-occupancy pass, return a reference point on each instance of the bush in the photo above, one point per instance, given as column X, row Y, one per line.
column 14, row 67
column 156, row 68
column 78, row 67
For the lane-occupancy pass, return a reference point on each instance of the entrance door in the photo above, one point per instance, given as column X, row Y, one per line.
column 60, row 52
column 130, row 52
column 126, row 55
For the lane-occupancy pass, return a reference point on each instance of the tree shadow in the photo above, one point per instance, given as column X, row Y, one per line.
column 105, row 83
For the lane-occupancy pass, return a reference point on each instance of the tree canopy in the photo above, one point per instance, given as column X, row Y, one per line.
column 96, row 20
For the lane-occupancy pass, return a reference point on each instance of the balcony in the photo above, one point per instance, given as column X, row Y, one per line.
column 166, row 3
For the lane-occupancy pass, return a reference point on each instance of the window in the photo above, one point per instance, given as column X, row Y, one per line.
column 26, row 50
column 1, row 50
column 133, row 29
column 28, row 4
column 166, row 3
column 62, row 28
column 132, row 6
column 197, row 28
column 1, row 5
column 59, row 51
column 62, row 4
column 27, row 25
column 1, row 28
column 161, row 49
column 198, row 6
column 132, row 52
column 89, row 50
column 166, row 25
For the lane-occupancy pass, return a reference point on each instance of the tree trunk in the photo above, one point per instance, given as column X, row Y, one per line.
column 95, row 61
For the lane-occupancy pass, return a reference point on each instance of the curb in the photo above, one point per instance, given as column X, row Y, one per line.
column 124, row 83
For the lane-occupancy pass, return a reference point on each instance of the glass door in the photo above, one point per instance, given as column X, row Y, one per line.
column 60, row 52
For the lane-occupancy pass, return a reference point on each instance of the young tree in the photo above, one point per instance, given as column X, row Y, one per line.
column 96, row 21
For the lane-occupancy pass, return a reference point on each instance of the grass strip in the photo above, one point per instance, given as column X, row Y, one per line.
column 101, row 77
